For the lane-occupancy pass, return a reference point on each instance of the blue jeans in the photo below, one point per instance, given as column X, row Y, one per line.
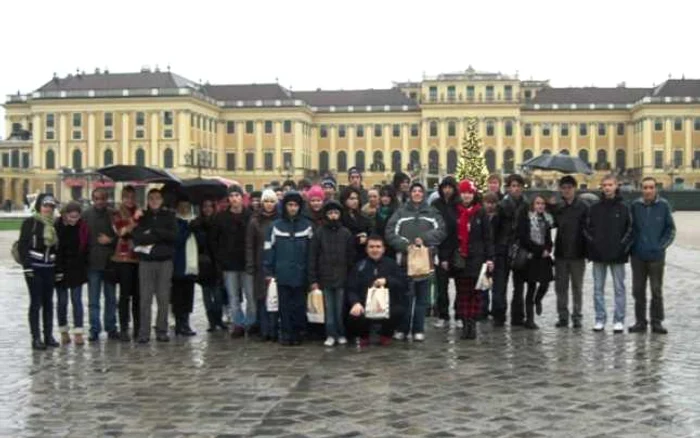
column 95, row 285
column 418, row 299
column 212, row 297
column 334, row 300
column 236, row 281
column 618, row 276
column 76, row 301
column 292, row 310
column 268, row 320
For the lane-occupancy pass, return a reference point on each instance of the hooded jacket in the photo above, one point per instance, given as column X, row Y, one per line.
column 32, row 249
column 157, row 228
column 287, row 246
column 608, row 231
column 229, row 237
column 202, row 228
column 332, row 253
column 481, row 248
column 412, row 221
column 654, row 229
column 254, row 249
column 448, row 209
column 569, row 220
column 71, row 255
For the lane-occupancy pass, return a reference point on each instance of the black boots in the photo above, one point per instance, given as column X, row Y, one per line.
column 530, row 325
column 182, row 325
column 638, row 327
column 50, row 341
column 469, row 330
column 658, row 328
column 38, row 344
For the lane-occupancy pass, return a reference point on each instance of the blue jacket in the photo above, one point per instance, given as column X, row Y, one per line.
column 179, row 259
column 654, row 229
column 286, row 255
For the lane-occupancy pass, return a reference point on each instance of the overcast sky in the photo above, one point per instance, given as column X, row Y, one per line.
column 351, row 44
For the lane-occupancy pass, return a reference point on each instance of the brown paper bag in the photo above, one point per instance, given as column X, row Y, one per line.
column 419, row 265
column 315, row 307
column 377, row 303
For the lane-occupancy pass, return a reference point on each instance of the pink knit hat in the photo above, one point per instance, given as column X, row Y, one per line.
column 315, row 192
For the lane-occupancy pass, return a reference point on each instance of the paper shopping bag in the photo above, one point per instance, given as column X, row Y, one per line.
column 314, row 307
column 419, row 265
column 485, row 282
column 271, row 302
column 377, row 303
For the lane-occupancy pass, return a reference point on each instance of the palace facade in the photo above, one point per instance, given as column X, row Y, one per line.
column 256, row 133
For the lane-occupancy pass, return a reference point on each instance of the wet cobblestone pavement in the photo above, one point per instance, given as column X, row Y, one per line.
column 510, row 383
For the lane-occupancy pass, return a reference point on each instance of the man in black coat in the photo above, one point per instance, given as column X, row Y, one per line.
column 569, row 251
column 376, row 270
column 446, row 204
column 608, row 233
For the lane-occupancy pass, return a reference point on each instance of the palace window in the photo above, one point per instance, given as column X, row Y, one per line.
column 230, row 127
column 268, row 126
column 620, row 129
column 377, row 130
column 250, row 161
column 230, row 161
column 168, row 118
column 360, row 130
column 527, row 130
column 249, row 127
column 546, row 129
column 341, row 131
column 677, row 124
column 601, row 129
column 396, row 130
column 509, row 128
column 414, row 129
column 77, row 120
column 268, row 161
column 451, row 128
column 433, row 129
column 287, row 126
column 658, row 159
column 658, row 124
column 583, row 129
column 489, row 128
column 323, row 131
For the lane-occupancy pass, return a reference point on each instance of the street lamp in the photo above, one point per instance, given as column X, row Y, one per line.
column 199, row 159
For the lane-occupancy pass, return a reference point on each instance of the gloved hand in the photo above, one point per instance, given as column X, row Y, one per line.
column 59, row 277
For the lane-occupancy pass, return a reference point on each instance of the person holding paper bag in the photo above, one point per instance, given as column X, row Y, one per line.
column 380, row 271
column 474, row 248
column 413, row 226
column 331, row 256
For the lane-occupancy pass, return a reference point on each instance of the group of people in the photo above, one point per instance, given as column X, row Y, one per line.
column 308, row 237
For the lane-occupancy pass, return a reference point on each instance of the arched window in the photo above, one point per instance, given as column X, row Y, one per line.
column 342, row 161
column 140, row 157
column 323, row 162
column 620, row 159
column 490, row 157
column 527, row 155
column 414, row 160
column 378, row 161
column 77, row 160
column 546, row 152
column 509, row 161
column 451, row 161
column 360, row 160
column 396, row 161
column 50, row 159
column 601, row 157
column 433, row 162
column 583, row 155
column 564, row 152
column 108, row 157
column 168, row 158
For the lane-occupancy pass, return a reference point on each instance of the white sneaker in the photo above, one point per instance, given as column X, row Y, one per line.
column 399, row 336
column 440, row 324
column 329, row 342
column 599, row 327
column 419, row 337
column 459, row 324
column 342, row 340
column 618, row 327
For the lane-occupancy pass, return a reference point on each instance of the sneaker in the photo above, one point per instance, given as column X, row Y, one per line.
column 599, row 327
column 440, row 324
column 329, row 341
column 342, row 340
column 399, row 336
column 459, row 324
column 419, row 337
column 618, row 327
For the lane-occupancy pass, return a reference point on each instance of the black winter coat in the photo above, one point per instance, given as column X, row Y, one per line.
column 202, row 228
column 157, row 228
column 538, row 268
column 357, row 223
column 32, row 250
column 229, row 236
column 510, row 212
column 71, row 257
column 366, row 271
column 608, row 231
column 481, row 247
column 331, row 256
column 254, row 250
column 448, row 211
column 569, row 220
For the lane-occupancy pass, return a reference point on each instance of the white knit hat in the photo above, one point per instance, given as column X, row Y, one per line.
column 268, row 195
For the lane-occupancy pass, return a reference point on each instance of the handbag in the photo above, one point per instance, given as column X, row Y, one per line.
column 519, row 257
column 485, row 281
column 377, row 303
column 272, row 300
column 315, row 307
column 419, row 264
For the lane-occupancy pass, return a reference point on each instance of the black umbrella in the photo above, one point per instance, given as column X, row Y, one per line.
column 127, row 172
column 197, row 190
column 559, row 163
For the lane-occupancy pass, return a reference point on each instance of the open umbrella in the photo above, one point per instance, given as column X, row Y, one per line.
column 197, row 189
column 127, row 172
column 559, row 163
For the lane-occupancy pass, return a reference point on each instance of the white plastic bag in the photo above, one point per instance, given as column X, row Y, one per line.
column 315, row 311
column 485, row 282
column 377, row 303
column 272, row 301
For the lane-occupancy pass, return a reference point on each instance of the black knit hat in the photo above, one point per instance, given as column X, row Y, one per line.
column 256, row 194
column 332, row 205
column 292, row 196
column 235, row 188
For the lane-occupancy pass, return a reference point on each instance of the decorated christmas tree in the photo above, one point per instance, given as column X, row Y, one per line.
column 472, row 164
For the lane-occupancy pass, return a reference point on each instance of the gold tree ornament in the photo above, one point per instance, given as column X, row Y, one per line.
column 472, row 164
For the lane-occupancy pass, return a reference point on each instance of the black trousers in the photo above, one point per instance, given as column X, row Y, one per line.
column 40, row 285
column 535, row 291
column 653, row 272
column 182, row 297
column 442, row 278
column 359, row 327
column 517, row 308
column 127, row 277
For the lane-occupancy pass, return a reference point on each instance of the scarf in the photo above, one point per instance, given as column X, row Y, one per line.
column 537, row 228
column 50, row 235
column 384, row 212
column 191, row 250
column 465, row 215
